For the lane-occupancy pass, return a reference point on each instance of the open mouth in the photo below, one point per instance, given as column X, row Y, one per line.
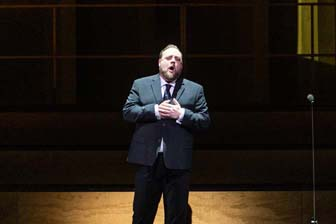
column 171, row 68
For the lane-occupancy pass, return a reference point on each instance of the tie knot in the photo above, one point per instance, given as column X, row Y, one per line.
column 168, row 86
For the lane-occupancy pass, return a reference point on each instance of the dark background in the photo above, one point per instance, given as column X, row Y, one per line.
column 66, row 68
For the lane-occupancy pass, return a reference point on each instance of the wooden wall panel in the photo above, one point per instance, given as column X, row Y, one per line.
column 235, row 207
column 231, row 167
column 245, row 129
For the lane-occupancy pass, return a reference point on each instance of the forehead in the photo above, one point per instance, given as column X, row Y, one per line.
column 171, row 51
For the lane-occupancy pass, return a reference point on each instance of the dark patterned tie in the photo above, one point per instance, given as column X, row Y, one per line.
column 167, row 95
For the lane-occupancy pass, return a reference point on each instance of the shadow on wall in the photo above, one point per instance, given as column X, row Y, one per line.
column 189, row 215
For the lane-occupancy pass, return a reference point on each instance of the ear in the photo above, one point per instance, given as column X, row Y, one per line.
column 159, row 62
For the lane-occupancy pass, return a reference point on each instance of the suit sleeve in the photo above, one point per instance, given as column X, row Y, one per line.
column 197, row 119
column 134, row 111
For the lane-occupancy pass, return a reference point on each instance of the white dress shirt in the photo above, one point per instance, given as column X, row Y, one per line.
column 156, row 107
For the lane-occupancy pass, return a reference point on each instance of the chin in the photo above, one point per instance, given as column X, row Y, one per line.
column 170, row 76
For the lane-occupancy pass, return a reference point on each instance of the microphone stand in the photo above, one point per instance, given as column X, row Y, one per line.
column 311, row 100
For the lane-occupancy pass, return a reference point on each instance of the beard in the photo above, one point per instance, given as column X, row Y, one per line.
column 169, row 77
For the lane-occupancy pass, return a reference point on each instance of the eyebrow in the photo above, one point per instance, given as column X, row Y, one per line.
column 170, row 56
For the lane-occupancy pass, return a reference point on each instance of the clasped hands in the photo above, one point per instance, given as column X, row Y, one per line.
column 170, row 110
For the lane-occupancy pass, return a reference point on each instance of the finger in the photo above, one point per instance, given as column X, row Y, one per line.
column 167, row 105
column 165, row 111
column 164, row 107
column 174, row 109
column 166, row 102
column 176, row 102
column 164, row 115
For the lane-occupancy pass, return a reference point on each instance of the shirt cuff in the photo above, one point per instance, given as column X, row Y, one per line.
column 179, row 120
column 156, row 110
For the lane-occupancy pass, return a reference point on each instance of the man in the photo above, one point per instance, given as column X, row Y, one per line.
column 167, row 109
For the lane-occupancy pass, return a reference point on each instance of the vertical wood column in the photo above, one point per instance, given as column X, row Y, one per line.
column 261, row 85
column 65, row 33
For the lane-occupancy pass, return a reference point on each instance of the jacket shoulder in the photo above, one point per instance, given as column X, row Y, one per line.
column 146, row 78
column 190, row 83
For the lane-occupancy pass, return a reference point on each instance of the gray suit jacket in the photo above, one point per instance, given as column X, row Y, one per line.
column 139, row 108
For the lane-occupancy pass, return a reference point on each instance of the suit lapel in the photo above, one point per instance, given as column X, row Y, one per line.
column 179, row 89
column 156, row 88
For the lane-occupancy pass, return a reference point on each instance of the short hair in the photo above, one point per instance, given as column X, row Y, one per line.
column 167, row 47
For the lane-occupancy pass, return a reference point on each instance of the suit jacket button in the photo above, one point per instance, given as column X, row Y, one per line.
column 164, row 124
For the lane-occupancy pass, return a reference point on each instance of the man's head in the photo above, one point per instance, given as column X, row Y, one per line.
column 170, row 63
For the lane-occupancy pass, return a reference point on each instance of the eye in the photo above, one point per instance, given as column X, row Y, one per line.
column 169, row 57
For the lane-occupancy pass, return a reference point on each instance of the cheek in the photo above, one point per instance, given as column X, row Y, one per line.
column 164, row 65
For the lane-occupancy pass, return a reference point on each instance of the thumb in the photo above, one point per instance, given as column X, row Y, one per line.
column 176, row 102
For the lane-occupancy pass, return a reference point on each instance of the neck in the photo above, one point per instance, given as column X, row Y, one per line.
column 167, row 80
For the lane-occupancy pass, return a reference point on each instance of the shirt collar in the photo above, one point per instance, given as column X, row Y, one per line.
column 164, row 82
